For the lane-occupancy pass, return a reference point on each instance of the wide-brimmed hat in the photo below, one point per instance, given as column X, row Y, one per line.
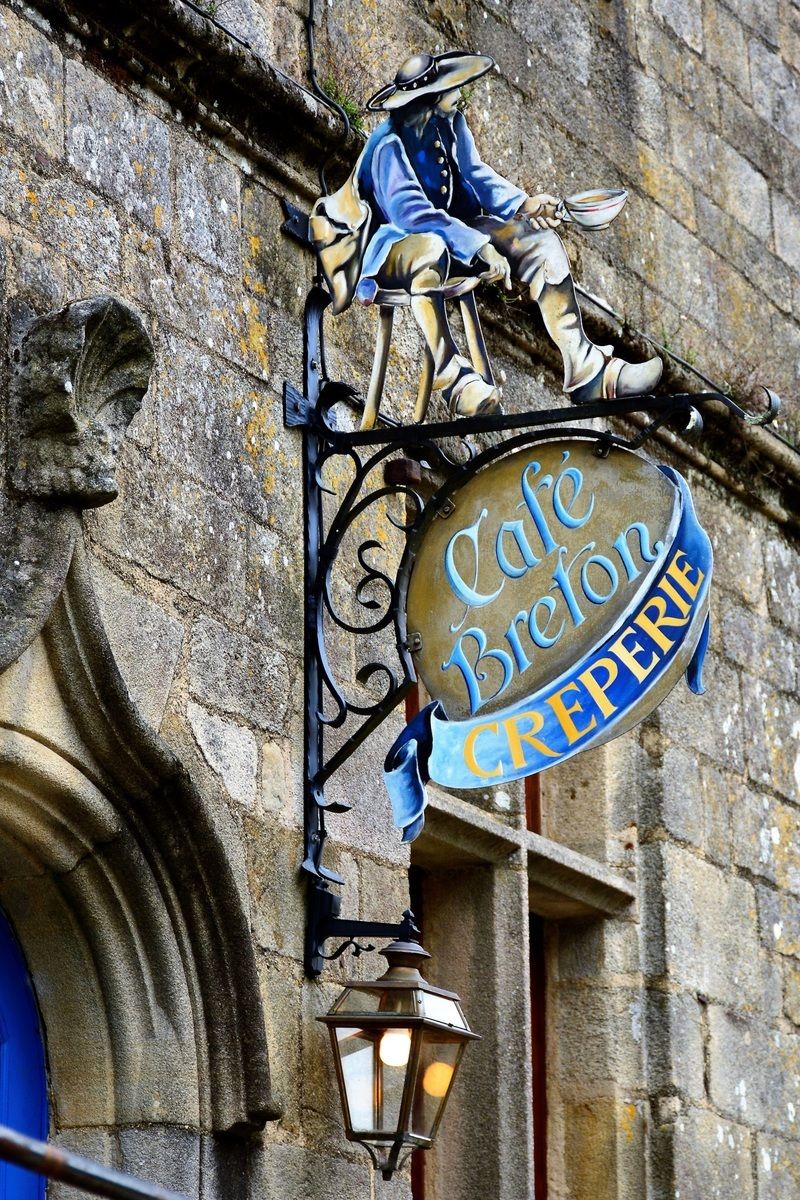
column 424, row 74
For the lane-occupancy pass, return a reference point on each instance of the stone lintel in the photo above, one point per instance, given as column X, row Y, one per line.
column 457, row 834
column 562, row 883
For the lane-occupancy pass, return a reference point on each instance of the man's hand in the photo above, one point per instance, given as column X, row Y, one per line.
column 541, row 210
column 498, row 269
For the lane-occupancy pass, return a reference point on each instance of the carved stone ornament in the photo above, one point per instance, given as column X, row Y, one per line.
column 78, row 380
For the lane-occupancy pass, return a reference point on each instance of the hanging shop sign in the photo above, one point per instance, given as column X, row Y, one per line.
column 554, row 601
column 549, row 597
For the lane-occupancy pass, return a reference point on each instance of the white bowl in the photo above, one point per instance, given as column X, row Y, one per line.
column 595, row 209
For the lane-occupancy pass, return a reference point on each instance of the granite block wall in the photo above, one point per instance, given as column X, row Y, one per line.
column 673, row 1031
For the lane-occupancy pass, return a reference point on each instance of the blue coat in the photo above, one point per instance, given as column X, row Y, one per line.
column 428, row 181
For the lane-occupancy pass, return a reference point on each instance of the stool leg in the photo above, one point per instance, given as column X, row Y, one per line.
column 379, row 362
column 474, row 335
column 425, row 387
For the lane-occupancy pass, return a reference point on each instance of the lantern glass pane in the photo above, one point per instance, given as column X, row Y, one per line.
column 437, row 1066
column 439, row 1008
column 365, row 1000
column 357, row 1053
column 394, row 1050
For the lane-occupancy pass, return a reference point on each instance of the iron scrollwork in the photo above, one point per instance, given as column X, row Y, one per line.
column 377, row 592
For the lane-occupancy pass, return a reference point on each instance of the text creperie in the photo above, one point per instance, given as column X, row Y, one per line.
column 587, row 700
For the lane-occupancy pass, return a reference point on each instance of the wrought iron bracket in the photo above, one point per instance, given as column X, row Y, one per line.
column 296, row 224
column 324, row 924
column 379, row 595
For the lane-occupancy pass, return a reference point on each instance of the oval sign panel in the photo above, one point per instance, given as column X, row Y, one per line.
column 553, row 602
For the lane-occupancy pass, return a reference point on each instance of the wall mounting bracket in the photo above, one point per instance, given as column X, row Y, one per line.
column 369, row 459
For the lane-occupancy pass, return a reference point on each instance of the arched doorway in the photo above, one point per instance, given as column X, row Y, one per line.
column 122, row 894
column 23, row 1076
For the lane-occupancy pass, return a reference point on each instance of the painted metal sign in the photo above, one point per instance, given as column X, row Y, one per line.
column 554, row 605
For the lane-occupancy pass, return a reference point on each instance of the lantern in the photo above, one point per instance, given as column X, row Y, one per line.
column 397, row 1043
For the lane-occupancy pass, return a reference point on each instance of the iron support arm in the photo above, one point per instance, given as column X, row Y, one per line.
column 324, row 924
column 333, row 511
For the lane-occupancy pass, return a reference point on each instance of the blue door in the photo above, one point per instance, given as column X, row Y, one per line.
column 23, row 1078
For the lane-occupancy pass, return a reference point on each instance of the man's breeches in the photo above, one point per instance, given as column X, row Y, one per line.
column 418, row 262
column 537, row 256
column 538, row 259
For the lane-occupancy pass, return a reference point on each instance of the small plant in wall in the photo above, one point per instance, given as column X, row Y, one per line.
column 211, row 8
column 339, row 93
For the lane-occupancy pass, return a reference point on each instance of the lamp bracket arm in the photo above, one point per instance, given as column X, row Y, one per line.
column 337, row 927
column 358, row 950
column 324, row 924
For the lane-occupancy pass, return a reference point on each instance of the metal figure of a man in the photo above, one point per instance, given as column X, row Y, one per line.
column 421, row 206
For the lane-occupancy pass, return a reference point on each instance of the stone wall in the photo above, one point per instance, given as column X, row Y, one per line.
column 689, row 1007
column 144, row 167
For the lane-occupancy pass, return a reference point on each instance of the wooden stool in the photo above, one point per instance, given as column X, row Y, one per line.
column 461, row 289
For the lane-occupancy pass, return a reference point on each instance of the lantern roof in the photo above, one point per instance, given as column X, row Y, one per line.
column 400, row 997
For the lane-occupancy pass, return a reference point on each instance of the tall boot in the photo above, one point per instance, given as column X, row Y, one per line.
column 591, row 372
column 431, row 317
column 466, row 392
column 583, row 361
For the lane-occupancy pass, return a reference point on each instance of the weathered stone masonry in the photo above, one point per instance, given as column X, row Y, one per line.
column 143, row 153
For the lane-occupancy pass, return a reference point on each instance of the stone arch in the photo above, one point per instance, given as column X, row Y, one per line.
column 119, row 888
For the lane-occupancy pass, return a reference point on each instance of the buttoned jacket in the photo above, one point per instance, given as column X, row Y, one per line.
column 427, row 179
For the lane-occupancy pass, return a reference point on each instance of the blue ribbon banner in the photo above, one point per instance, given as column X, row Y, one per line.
column 612, row 688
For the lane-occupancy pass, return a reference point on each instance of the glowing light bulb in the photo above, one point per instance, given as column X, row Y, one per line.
column 436, row 1079
column 395, row 1047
